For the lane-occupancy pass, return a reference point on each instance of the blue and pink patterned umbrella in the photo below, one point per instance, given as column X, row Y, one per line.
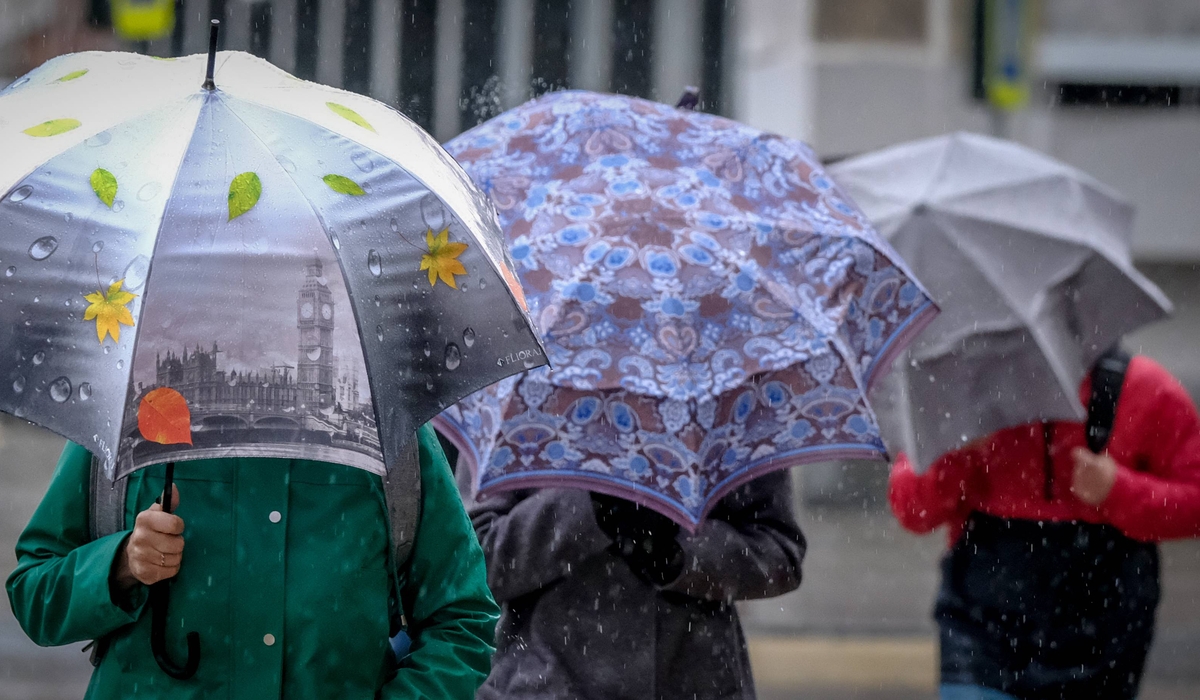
column 714, row 307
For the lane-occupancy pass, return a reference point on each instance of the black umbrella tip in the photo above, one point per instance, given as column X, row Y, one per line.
column 213, row 32
column 690, row 99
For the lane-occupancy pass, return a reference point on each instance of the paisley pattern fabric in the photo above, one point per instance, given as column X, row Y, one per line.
column 712, row 304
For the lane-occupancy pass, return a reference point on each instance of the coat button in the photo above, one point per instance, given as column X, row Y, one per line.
column 275, row 516
column 269, row 640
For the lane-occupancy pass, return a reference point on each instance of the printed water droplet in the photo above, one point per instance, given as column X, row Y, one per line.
column 374, row 263
column 43, row 247
column 314, row 354
column 85, row 391
column 12, row 270
column 379, row 332
column 17, row 83
column 287, row 164
column 363, row 162
column 60, row 389
column 120, row 364
column 427, row 350
column 136, row 272
column 101, row 139
column 149, row 191
column 395, row 224
column 483, row 284
column 337, row 244
column 118, row 205
column 20, row 194
column 18, row 385
column 432, row 212
column 39, row 357
column 453, row 356
column 97, row 246
column 67, row 217
column 468, row 336
column 36, row 299
column 105, row 349
column 428, row 386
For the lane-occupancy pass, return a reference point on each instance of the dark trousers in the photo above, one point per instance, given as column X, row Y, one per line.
column 1044, row 610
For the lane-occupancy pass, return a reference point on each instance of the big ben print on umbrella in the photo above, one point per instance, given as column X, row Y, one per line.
column 257, row 267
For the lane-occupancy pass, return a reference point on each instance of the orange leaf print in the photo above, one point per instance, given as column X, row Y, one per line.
column 163, row 417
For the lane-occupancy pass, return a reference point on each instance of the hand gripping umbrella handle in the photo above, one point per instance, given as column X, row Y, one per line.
column 160, row 595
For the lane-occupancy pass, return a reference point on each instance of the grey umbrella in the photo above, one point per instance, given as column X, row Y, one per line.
column 1029, row 260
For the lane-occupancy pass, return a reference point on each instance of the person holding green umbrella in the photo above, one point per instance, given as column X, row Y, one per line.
column 240, row 288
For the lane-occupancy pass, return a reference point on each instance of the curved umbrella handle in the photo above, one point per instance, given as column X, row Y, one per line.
column 159, row 597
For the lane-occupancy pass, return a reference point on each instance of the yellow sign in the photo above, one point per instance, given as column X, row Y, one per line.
column 1008, row 40
column 143, row 20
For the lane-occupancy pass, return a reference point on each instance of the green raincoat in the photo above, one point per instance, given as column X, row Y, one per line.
column 285, row 576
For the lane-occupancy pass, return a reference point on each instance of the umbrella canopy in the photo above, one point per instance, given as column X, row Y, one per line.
column 268, row 268
column 712, row 305
column 1028, row 259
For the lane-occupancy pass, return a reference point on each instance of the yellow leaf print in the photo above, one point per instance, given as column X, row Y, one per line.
column 109, row 311
column 442, row 260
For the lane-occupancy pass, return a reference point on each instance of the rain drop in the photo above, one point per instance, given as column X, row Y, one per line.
column 136, row 272
column 97, row 246
column 39, row 357
column 105, row 349
column 483, row 284
column 432, row 212
column 67, row 217
column 149, row 191
column 12, row 270
column 287, row 164
column 120, row 364
column 427, row 350
column 374, row 264
column 395, row 224
column 314, row 354
column 101, row 139
column 60, row 389
column 530, row 363
column 363, row 162
column 18, row 385
column 36, row 299
column 337, row 244
column 453, row 356
column 118, row 205
column 379, row 332
column 20, row 194
column 18, row 83
column 468, row 336
column 43, row 247
column 428, row 386
column 85, row 391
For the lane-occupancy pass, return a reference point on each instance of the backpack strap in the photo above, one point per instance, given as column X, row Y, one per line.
column 402, row 490
column 106, row 511
column 1108, row 376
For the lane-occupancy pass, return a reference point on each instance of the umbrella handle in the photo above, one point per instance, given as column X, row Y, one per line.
column 160, row 596
column 690, row 99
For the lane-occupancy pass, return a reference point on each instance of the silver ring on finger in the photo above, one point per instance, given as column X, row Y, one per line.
column 162, row 560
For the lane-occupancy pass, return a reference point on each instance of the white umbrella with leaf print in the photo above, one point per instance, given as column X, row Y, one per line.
column 255, row 266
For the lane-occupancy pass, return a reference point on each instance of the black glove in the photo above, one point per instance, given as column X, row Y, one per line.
column 644, row 538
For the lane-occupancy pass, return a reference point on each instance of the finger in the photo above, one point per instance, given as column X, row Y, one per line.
column 158, row 521
column 158, row 542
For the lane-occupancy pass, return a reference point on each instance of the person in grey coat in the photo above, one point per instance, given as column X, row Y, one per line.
column 603, row 600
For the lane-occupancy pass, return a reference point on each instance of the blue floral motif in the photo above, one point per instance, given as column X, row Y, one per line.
column 712, row 303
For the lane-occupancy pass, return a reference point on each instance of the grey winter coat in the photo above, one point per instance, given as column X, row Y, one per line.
column 578, row 624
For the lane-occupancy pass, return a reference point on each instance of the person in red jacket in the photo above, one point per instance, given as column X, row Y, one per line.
column 1051, row 582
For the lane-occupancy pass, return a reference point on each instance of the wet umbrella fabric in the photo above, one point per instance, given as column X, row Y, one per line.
column 273, row 268
column 713, row 306
column 1028, row 259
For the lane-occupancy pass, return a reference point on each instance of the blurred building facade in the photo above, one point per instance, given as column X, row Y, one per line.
column 1116, row 83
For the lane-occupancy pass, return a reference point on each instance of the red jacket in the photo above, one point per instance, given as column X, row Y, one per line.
column 1155, row 441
